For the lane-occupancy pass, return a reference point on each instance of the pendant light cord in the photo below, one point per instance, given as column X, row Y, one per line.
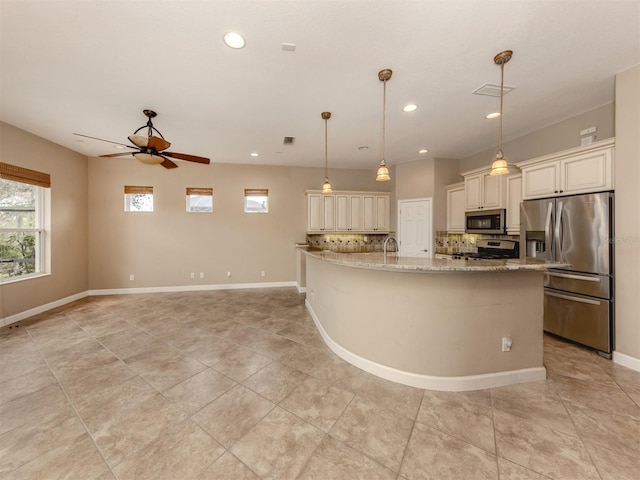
column 384, row 117
column 501, row 100
column 326, row 153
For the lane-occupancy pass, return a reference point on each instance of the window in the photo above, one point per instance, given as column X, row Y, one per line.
column 199, row 199
column 22, row 221
column 256, row 200
column 138, row 199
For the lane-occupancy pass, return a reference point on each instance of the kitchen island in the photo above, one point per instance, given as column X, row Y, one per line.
column 430, row 323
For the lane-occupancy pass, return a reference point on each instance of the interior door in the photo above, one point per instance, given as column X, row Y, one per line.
column 415, row 228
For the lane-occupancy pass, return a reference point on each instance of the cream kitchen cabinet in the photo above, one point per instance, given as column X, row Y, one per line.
column 376, row 213
column 357, row 212
column 349, row 213
column 455, row 208
column 483, row 191
column 514, row 199
column 321, row 212
column 578, row 170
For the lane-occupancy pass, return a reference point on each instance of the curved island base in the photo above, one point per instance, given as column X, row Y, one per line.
column 436, row 328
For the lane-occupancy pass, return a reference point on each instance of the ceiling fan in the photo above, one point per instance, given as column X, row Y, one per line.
column 150, row 148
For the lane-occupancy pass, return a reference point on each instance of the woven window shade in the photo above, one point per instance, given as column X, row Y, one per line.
column 199, row 191
column 256, row 192
column 24, row 175
column 130, row 189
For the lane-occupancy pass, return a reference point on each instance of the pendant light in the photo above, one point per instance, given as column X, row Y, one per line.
column 383, row 171
column 499, row 165
column 326, row 186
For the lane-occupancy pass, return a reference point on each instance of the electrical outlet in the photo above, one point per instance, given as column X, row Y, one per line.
column 201, row 274
column 507, row 343
column 193, row 275
column 589, row 130
column 262, row 274
column 228, row 274
column 132, row 276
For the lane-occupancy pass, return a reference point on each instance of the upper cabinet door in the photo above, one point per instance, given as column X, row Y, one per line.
column 589, row 172
column 347, row 212
column 473, row 192
column 343, row 217
column 455, row 209
column 541, row 180
column 492, row 196
column 321, row 212
column 514, row 199
column 356, row 213
column 382, row 213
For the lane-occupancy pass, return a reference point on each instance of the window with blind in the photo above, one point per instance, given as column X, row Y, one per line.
column 199, row 199
column 24, row 206
column 256, row 200
column 138, row 198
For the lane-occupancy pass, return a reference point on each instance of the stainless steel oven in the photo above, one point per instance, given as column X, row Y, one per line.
column 486, row 221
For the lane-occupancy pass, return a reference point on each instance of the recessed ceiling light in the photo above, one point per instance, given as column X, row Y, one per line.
column 234, row 40
column 423, row 151
column 254, row 154
column 409, row 108
column 363, row 147
column 492, row 115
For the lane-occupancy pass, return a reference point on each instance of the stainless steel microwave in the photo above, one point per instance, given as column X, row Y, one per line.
column 486, row 221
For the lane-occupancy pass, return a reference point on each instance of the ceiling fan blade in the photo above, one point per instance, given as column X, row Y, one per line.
column 188, row 158
column 158, row 144
column 103, row 140
column 168, row 163
column 121, row 154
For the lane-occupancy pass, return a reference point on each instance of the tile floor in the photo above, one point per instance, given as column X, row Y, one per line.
column 239, row 385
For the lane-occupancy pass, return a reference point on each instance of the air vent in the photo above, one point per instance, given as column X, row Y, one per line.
column 491, row 90
column 289, row 47
column 289, row 140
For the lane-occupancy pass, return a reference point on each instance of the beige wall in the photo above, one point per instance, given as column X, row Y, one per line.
column 162, row 248
column 427, row 179
column 627, row 178
column 69, row 239
column 551, row 139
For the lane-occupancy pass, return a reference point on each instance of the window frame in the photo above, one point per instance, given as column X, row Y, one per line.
column 256, row 192
column 198, row 192
column 131, row 191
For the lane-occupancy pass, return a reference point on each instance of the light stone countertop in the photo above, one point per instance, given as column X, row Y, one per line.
column 376, row 261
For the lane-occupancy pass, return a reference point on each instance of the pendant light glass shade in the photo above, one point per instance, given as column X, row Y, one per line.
column 148, row 158
column 326, row 186
column 382, row 174
column 499, row 165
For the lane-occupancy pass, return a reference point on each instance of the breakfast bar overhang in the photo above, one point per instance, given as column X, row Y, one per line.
column 430, row 323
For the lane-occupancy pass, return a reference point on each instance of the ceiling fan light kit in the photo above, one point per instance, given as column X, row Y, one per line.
column 382, row 175
column 499, row 165
column 150, row 149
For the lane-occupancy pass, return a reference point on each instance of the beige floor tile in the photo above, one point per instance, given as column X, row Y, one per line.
column 614, row 464
column 318, row 403
column 432, row 454
column 511, row 471
column 378, row 433
column 129, row 342
column 301, row 333
column 233, row 414
column 77, row 460
column 98, row 327
column 187, row 339
column 241, row 363
column 25, row 384
column 456, row 415
column 619, row 433
column 27, row 442
column 278, row 446
column 393, row 396
column 596, row 396
column 538, row 448
column 200, row 390
column 537, row 401
column 228, row 467
column 335, row 460
column 165, row 368
column 275, row 381
column 182, row 452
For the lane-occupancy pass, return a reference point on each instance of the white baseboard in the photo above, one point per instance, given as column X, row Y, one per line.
column 124, row 291
column 189, row 288
column 429, row 382
column 42, row 308
column 626, row 361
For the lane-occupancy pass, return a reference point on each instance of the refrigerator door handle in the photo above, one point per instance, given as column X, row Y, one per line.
column 574, row 277
column 558, row 233
column 572, row 298
column 547, row 231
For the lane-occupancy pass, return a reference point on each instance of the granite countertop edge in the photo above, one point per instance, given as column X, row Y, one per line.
column 392, row 262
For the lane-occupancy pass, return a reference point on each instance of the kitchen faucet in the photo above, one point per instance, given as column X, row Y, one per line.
column 386, row 242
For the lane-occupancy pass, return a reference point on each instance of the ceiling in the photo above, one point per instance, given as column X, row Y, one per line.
column 91, row 67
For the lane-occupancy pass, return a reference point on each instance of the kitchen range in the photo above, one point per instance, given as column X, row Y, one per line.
column 489, row 249
column 578, row 300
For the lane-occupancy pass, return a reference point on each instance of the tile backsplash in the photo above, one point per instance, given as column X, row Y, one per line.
column 449, row 243
column 341, row 242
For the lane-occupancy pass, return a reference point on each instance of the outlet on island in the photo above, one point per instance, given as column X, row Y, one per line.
column 228, row 274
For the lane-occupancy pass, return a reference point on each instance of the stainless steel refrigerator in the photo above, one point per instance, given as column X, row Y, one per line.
column 578, row 300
